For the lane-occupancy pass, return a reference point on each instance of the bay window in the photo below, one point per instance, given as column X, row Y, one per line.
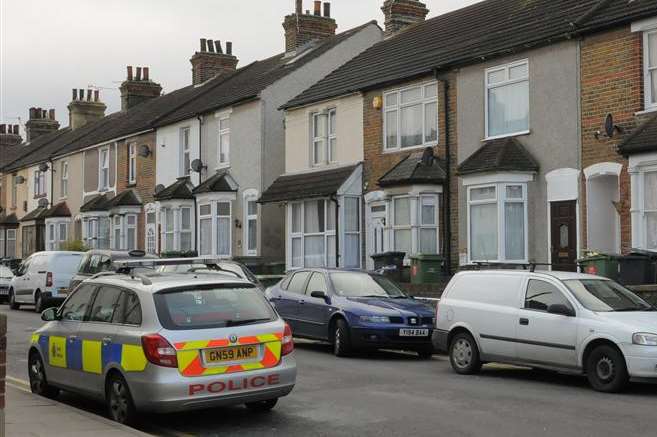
column 130, row 232
column 124, row 232
column 411, row 117
column 415, row 223
column 215, row 226
column 650, row 68
column 402, row 235
column 96, row 232
column 185, row 229
column 649, row 209
column 507, row 99
column 11, row 243
column 56, row 234
column 167, row 229
column 224, row 139
column 497, row 222
column 205, row 226
column 310, row 228
column 117, row 222
column 324, row 141
column 103, row 169
column 176, row 225
column 223, row 229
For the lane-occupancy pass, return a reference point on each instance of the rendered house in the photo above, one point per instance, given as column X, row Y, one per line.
column 10, row 149
column 218, row 153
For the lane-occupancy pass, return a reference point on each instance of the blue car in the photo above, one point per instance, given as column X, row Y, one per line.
column 353, row 310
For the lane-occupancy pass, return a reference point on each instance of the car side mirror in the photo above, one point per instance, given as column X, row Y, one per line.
column 49, row 315
column 320, row 295
column 561, row 309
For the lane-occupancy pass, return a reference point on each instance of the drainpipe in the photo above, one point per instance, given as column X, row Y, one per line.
column 334, row 198
column 52, row 183
column 447, row 244
column 197, row 246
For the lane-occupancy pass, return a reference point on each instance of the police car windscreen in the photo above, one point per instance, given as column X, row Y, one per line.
column 212, row 307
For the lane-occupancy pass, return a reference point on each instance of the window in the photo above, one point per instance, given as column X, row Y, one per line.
column 324, row 142
column 117, row 223
column 168, row 229
column 428, row 224
column 352, row 232
column 64, row 179
column 402, row 235
column 223, row 229
column 76, row 306
column 649, row 211
column 650, row 67
column 132, row 163
column 105, row 304
column 185, row 152
column 128, row 310
column 10, row 243
column 14, row 190
column 507, row 99
column 224, row 139
column 316, row 283
column 57, row 234
column 96, row 232
column 131, row 232
column 411, row 117
column 103, row 169
column 185, row 229
column 497, row 216
column 298, row 282
column 39, row 183
column 251, row 222
column 540, row 295
column 205, row 225
column 414, row 226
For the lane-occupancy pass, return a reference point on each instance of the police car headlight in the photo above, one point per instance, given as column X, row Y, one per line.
column 644, row 339
column 375, row 319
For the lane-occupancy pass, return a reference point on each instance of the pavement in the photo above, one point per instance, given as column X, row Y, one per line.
column 390, row 394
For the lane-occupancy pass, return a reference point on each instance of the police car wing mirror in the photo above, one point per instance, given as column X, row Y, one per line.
column 49, row 315
column 320, row 295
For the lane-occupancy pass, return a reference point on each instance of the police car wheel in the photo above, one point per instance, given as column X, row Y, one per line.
column 38, row 382
column 120, row 407
column 261, row 406
column 341, row 340
column 12, row 301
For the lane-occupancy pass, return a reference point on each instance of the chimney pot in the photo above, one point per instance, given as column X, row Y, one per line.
column 318, row 8
column 96, row 96
column 138, row 75
column 327, row 9
column 75, row 95
column 204, row 45
column 2, row 129
column 81, row 94
column 44, row 113
column 51, row 114
column 16, row 129
column 299, row 7
column 210, row 46
column 145, row 70
column 129, row 72
column 217, row 47
column 229, row 48
column 89, row 95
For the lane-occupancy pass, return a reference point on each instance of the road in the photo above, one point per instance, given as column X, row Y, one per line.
column 392, row 394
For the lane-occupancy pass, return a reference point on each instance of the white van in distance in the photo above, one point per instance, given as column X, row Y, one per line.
column 569, row 322
column 43, row 279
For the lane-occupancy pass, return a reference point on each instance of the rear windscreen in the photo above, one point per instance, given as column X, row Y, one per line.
column 212, row 307
column 67, row 264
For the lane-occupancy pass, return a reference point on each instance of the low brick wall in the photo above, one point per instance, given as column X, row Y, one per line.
column 3, row 370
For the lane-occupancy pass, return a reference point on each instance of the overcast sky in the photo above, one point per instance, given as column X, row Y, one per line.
column 49, row 47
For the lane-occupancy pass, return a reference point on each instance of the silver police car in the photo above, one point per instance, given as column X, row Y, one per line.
column 164, row 342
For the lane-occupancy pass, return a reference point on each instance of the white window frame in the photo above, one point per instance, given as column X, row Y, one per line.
column 643, row 171
column 185, row 150
column 415, row 225
column 14, row 191
column 183, row 230
column 39, row 183
column 230, row 227
column 150, row 230
column 500, row 201
column 213, row 201
column 165, row 230
column 223, row 157
column 132, row 163
column 210, row 217
column 424, row 101
column 64, row 180
column 250, row 196
column 55, row 237
column 128, row 226
column 302, row 235
column 328, row 154
column 104, row 169
column 8, row 239
column 649, row 104
column 117, row 225
column 506, row 82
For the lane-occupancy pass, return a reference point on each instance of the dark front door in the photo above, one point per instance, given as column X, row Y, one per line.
column 564, row 235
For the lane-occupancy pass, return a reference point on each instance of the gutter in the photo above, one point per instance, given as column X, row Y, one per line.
column 447, row 195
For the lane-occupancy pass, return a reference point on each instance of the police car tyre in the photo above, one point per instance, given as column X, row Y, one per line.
column 38, row 303
column 606, row 369
column 38, row 381
column 464, row 354
column 341, row 339
column 262, row 406
column 120, row 405
column 12, row 301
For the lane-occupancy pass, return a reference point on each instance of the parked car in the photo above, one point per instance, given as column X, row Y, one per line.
column 96, row 261
column 12, row 263
column 6, row 275
column 569, row 322
column 186, row 342
column 225, row 266
column 43, row 279
column 353, row 310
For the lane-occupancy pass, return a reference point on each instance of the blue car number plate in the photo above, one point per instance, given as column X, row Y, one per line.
column 407, row 332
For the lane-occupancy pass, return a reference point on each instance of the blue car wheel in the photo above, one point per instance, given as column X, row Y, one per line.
column 341, row 339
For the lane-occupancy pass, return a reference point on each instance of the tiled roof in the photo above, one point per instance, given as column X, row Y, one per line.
column 504, row 154
column 181, row 189
column 9, row 154
column 58, row 210
column 125, row 198
column 470, row 35
column 247, row 82
column 35, row 214
column 97, row 203
column 35, row 151
column 307, row 185
column 642, row 139
column 412, row 169
column 221, row 182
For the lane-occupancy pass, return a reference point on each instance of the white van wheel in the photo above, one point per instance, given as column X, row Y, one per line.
column 464, row 354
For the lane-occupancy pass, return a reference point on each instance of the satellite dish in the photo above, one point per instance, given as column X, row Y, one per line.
column 43, row 203
column 20, row 180
column 610, row 127
column 159, row 188
column 144, row 151
column 43, row 167
column 197, row 165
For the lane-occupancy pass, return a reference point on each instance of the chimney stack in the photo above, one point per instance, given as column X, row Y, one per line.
column 301, row 29
column 212, row 61
column 9, row 136
column 399, row 14
column 41, row 122
column 81, row 111
column 138, row 88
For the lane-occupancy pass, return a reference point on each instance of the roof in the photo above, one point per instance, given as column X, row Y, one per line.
column 8, row 220
column 181, row 189
column 124, row 198
column 97, row 203
column 412, row 169
column 35, row 151
column 307, row 185
column 58, row 210
column 221, row 182
column 642, row 139
column 9, row 154
column 469, row 35
column 248, row 82
column 504, row 154
column 35, row 214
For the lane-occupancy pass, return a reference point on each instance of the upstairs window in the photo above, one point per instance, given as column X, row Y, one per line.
column 39, row 183
column 507, row 99
column 185, row 152
column 64, row 179
column 411, row 117
column 14, row 191
column 650, row 67
column 324, row 141
column 224, row 139
column 132, row 163
column 103, row 170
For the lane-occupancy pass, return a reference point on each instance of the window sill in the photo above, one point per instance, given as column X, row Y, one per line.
column 649, row 110
column 408, row 149
column 222, row 166
column 131, row 185
column 514, row 134
column 40, row 196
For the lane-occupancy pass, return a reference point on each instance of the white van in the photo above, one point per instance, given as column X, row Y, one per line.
column 569, row 322
column 43, row 279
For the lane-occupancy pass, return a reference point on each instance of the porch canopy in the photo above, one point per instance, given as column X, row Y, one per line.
column 500, row 155
column 417, row 168
column 642, row 140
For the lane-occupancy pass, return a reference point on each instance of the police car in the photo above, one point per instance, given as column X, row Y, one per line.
column 164, row 342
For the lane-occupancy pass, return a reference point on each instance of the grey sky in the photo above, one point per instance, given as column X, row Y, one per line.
column 50, row 47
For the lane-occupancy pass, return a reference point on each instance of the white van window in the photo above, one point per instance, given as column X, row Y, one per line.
column 540, row 295
column 68, row 263
column 493, row 289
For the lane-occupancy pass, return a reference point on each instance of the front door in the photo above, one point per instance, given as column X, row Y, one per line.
column 376, row 232
column 564, row 235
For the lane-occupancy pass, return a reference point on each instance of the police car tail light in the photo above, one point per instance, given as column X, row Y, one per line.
column 159, row 351
column 287, row 345
column 49, row 279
